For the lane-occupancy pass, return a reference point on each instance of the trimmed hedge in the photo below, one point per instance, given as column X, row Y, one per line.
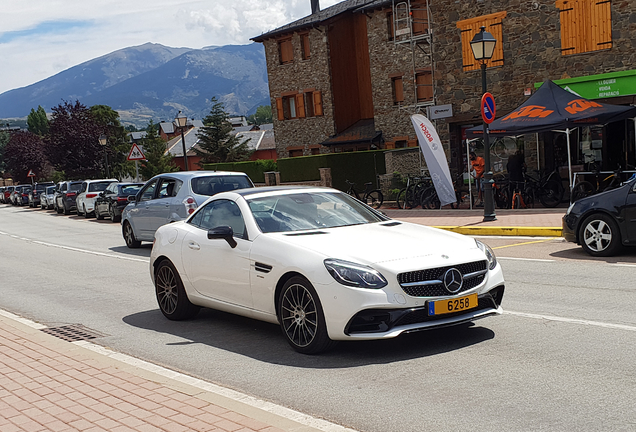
column 254, row 169
column 359, row 167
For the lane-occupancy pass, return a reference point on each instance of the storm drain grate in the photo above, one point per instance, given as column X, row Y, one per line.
column 73, row 332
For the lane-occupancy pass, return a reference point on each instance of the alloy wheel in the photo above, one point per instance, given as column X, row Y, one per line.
column 597, row 235
column 167, row 290
column 299, row 315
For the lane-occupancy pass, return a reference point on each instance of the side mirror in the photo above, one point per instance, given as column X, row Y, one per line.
column 101, row 194
column 131, row 198
column 223, row 232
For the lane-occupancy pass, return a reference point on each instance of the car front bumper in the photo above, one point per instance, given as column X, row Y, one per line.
column 569, row 228
column 366, row 314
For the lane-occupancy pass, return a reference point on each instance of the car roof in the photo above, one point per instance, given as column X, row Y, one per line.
column 101, row 180
column 274, row 190
column 186, row 175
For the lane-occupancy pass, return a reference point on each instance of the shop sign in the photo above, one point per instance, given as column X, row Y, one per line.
column 601, row 86
column 440, row 111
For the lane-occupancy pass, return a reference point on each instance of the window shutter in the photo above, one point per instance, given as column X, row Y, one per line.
column 398, row 90
column 286, row 51
column 419, row 15
column 586, row 25
column 470, row 27
column 601, row 24
column 304, row 42
column 317, row 103
column 279, row 108
column 300, row 106
column 424, row 83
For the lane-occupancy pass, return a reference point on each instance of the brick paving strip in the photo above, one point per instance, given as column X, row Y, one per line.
column 47, row 384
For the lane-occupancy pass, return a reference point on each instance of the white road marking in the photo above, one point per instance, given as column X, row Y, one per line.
column 623, row 265
column 573, row 321
column 78, row 249
column 525, row 259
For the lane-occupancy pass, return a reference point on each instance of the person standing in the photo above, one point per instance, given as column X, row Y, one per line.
column 479, row 166
column 516, row 166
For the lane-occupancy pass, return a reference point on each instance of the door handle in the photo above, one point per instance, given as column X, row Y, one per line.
column 194, row 246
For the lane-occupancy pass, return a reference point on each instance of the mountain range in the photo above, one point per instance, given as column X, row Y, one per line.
column 153, row 81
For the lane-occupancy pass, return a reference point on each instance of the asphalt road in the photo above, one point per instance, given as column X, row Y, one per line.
column 560, row 359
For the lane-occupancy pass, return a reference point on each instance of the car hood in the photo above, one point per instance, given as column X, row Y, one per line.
column 396, row 245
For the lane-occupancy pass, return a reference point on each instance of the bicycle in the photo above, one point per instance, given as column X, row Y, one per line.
column 585, row 188
column 371, row 197
column 518, row 200
column 549, row 189
column 410, row 195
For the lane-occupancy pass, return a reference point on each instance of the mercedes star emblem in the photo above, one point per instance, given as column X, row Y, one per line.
column 453, row 280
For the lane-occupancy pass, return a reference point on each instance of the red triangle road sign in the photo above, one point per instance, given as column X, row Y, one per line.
column 136, row 153
column 31, row 174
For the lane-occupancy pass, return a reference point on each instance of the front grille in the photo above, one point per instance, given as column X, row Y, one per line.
column 431, row 279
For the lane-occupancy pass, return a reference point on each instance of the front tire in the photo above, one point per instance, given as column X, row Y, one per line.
column 129, row 236
column 86, row 215
column 171, row 296
column 66, row 210
column 375, row 199
column 301, row 317
column 600, row 235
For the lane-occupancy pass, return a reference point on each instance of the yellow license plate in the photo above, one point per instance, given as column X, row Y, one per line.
column 452, row 305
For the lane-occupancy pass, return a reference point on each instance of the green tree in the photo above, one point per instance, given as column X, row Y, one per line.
column 37, row 121
column 263, row 115
column 25, row 152
column 154, row 148
column 217, row 143
column 118, row 145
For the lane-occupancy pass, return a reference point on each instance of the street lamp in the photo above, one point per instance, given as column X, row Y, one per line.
column 483, row 46
column 103, row 139
column 181, row 123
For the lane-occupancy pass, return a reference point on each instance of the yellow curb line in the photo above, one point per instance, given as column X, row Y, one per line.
column 505, row 231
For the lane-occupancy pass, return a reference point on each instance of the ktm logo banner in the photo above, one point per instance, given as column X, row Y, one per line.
column 532, row 111
column 580, row 105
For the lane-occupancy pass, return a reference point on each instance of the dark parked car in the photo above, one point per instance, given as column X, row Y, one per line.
column 112, row 201
column 21, row 194
column 65, row 196
column 605, row 222
column 34, row 194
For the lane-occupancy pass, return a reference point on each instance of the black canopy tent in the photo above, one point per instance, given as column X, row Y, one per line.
column 552, row 108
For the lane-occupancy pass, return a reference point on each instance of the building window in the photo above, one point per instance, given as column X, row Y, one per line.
column 315, row 150
column 389, row 24
column 401, row 144
column 424, row 85
column 472, row 26
column 586, row 25
column 419, row 16
column 397, row 87
column 285, row 51
column 304, row 46
column 295, row 153
column 299, row 105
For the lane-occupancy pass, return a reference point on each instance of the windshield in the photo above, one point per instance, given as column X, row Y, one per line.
column 50, row 190
column 214, row 184
column 306, row 211
column 130, row 190
column 98, row 187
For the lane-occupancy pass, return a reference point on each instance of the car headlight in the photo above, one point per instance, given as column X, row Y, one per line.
column 492, row 260
column 355, row 275
column 567, row 212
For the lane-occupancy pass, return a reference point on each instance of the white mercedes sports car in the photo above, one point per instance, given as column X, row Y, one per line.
column 323, row 265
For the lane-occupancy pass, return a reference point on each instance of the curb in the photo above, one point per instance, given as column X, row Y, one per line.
column 506, row 231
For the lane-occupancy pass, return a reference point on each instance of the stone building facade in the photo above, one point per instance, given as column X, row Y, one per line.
column 532, row 34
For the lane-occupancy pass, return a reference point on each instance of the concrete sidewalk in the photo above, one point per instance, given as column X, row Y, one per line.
column 525, row 222
column 48, row 384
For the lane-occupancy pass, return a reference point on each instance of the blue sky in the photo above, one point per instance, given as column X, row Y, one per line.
column 39, row 38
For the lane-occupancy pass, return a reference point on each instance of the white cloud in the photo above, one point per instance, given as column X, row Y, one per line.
column 109, row 25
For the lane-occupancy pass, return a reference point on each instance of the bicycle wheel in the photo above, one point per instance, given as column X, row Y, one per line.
column 582, row 190
column 551, row 194
column 502, row 198
column 516, row 201
column 401, row 199
column 528, row 196
column 429, row 198
column 374, row 199
column 410, row 199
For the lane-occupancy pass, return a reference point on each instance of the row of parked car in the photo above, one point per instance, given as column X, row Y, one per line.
column 99, row 198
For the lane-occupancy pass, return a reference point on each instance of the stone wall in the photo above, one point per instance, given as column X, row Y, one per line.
column 298, row 76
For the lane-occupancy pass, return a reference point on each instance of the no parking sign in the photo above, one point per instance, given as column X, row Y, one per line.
column 488, row 108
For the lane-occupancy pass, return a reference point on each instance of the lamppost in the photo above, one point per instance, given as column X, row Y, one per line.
column 483, row 46
column 181, row 122
column 102, row 141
